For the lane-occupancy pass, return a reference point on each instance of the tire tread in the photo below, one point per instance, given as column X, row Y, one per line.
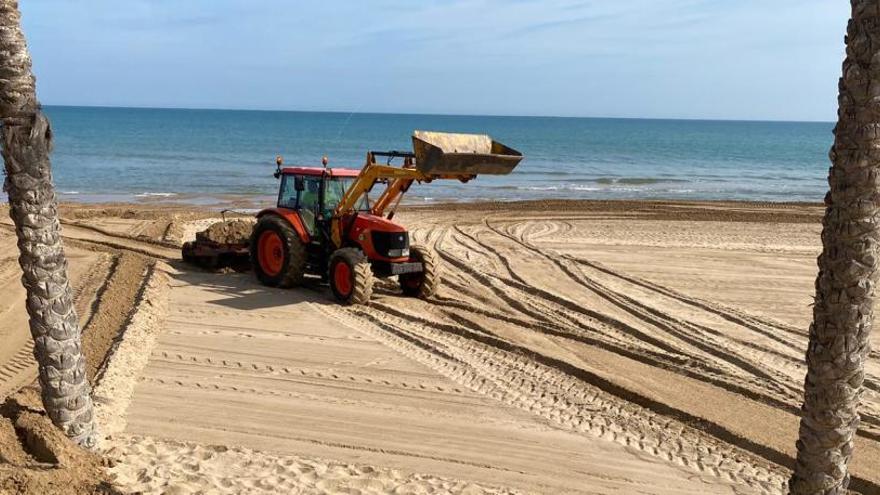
column 362, row 288
column 294, row 270
column 430, row 272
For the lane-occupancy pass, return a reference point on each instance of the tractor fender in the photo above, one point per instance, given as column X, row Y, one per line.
column 292, row 217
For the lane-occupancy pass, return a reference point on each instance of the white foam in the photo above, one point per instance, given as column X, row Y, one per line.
column 155, row 195
column 565, row 188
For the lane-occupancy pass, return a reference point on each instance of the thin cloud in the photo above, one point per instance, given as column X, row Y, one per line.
column 560, row 23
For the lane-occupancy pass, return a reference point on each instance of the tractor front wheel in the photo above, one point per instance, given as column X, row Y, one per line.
column 278, row 255
column 351, row 276
column 425, row 283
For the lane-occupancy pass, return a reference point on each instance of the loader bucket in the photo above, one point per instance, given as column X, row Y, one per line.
column 441, row 153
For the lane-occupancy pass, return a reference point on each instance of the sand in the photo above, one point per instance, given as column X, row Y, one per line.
column 306, row 384
column 229, row 232
column 166, row 466
column 36, row 458
column 594, row 347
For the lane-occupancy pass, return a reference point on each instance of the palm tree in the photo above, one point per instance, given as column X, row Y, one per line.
column 27, row 141
column 848, row 269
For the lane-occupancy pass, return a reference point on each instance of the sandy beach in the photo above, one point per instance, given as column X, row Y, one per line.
column 574, row 347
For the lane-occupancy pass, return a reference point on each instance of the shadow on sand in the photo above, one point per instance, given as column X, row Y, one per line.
column 242, row 291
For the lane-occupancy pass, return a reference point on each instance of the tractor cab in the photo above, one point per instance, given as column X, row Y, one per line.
column 314, row 193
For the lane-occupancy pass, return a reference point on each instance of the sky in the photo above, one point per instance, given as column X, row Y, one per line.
column 711, row 59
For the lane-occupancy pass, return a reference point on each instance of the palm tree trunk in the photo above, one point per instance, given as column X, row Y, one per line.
column 848, row 269
column 27, row 141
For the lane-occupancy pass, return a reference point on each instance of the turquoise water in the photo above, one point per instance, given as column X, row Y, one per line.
column 210, row 155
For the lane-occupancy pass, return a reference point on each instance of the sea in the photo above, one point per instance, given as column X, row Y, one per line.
column 213, row 157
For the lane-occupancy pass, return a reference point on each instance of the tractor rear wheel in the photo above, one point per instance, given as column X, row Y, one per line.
column 351, row 276
column 278, row 255
column 425, row 283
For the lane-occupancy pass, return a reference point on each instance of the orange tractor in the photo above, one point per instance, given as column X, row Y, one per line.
column 329, row 221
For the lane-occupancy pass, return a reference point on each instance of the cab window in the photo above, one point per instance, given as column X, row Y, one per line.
column 287, row 194
column 336, row 189
column 289, row 197
column 305, row 200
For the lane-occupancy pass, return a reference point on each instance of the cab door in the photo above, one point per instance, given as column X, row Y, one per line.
column 301, row 193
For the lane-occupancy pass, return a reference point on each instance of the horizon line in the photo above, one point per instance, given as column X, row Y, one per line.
column 686, row 119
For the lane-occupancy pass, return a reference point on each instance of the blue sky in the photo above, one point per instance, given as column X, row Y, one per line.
column 727, row 59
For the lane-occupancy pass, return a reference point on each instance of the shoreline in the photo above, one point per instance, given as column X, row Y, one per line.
column 646, row 209
column 420, row 197
column 186, row 201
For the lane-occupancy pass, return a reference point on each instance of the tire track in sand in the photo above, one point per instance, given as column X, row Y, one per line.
column 470, row 313
column 677, row 358
column 568, row 397
column 756, row 355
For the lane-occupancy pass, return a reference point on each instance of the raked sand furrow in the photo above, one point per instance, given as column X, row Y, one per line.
column 88, row 271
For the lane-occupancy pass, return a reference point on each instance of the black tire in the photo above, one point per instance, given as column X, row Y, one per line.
column 293, row 265
column 423, row 284
column 360, row 279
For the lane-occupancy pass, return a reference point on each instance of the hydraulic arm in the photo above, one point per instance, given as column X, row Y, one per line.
column 398, row 180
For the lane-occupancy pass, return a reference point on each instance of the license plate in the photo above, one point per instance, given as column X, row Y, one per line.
column 399, row 268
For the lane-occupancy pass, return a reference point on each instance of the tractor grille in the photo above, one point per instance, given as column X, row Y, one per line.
column 391, row 244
